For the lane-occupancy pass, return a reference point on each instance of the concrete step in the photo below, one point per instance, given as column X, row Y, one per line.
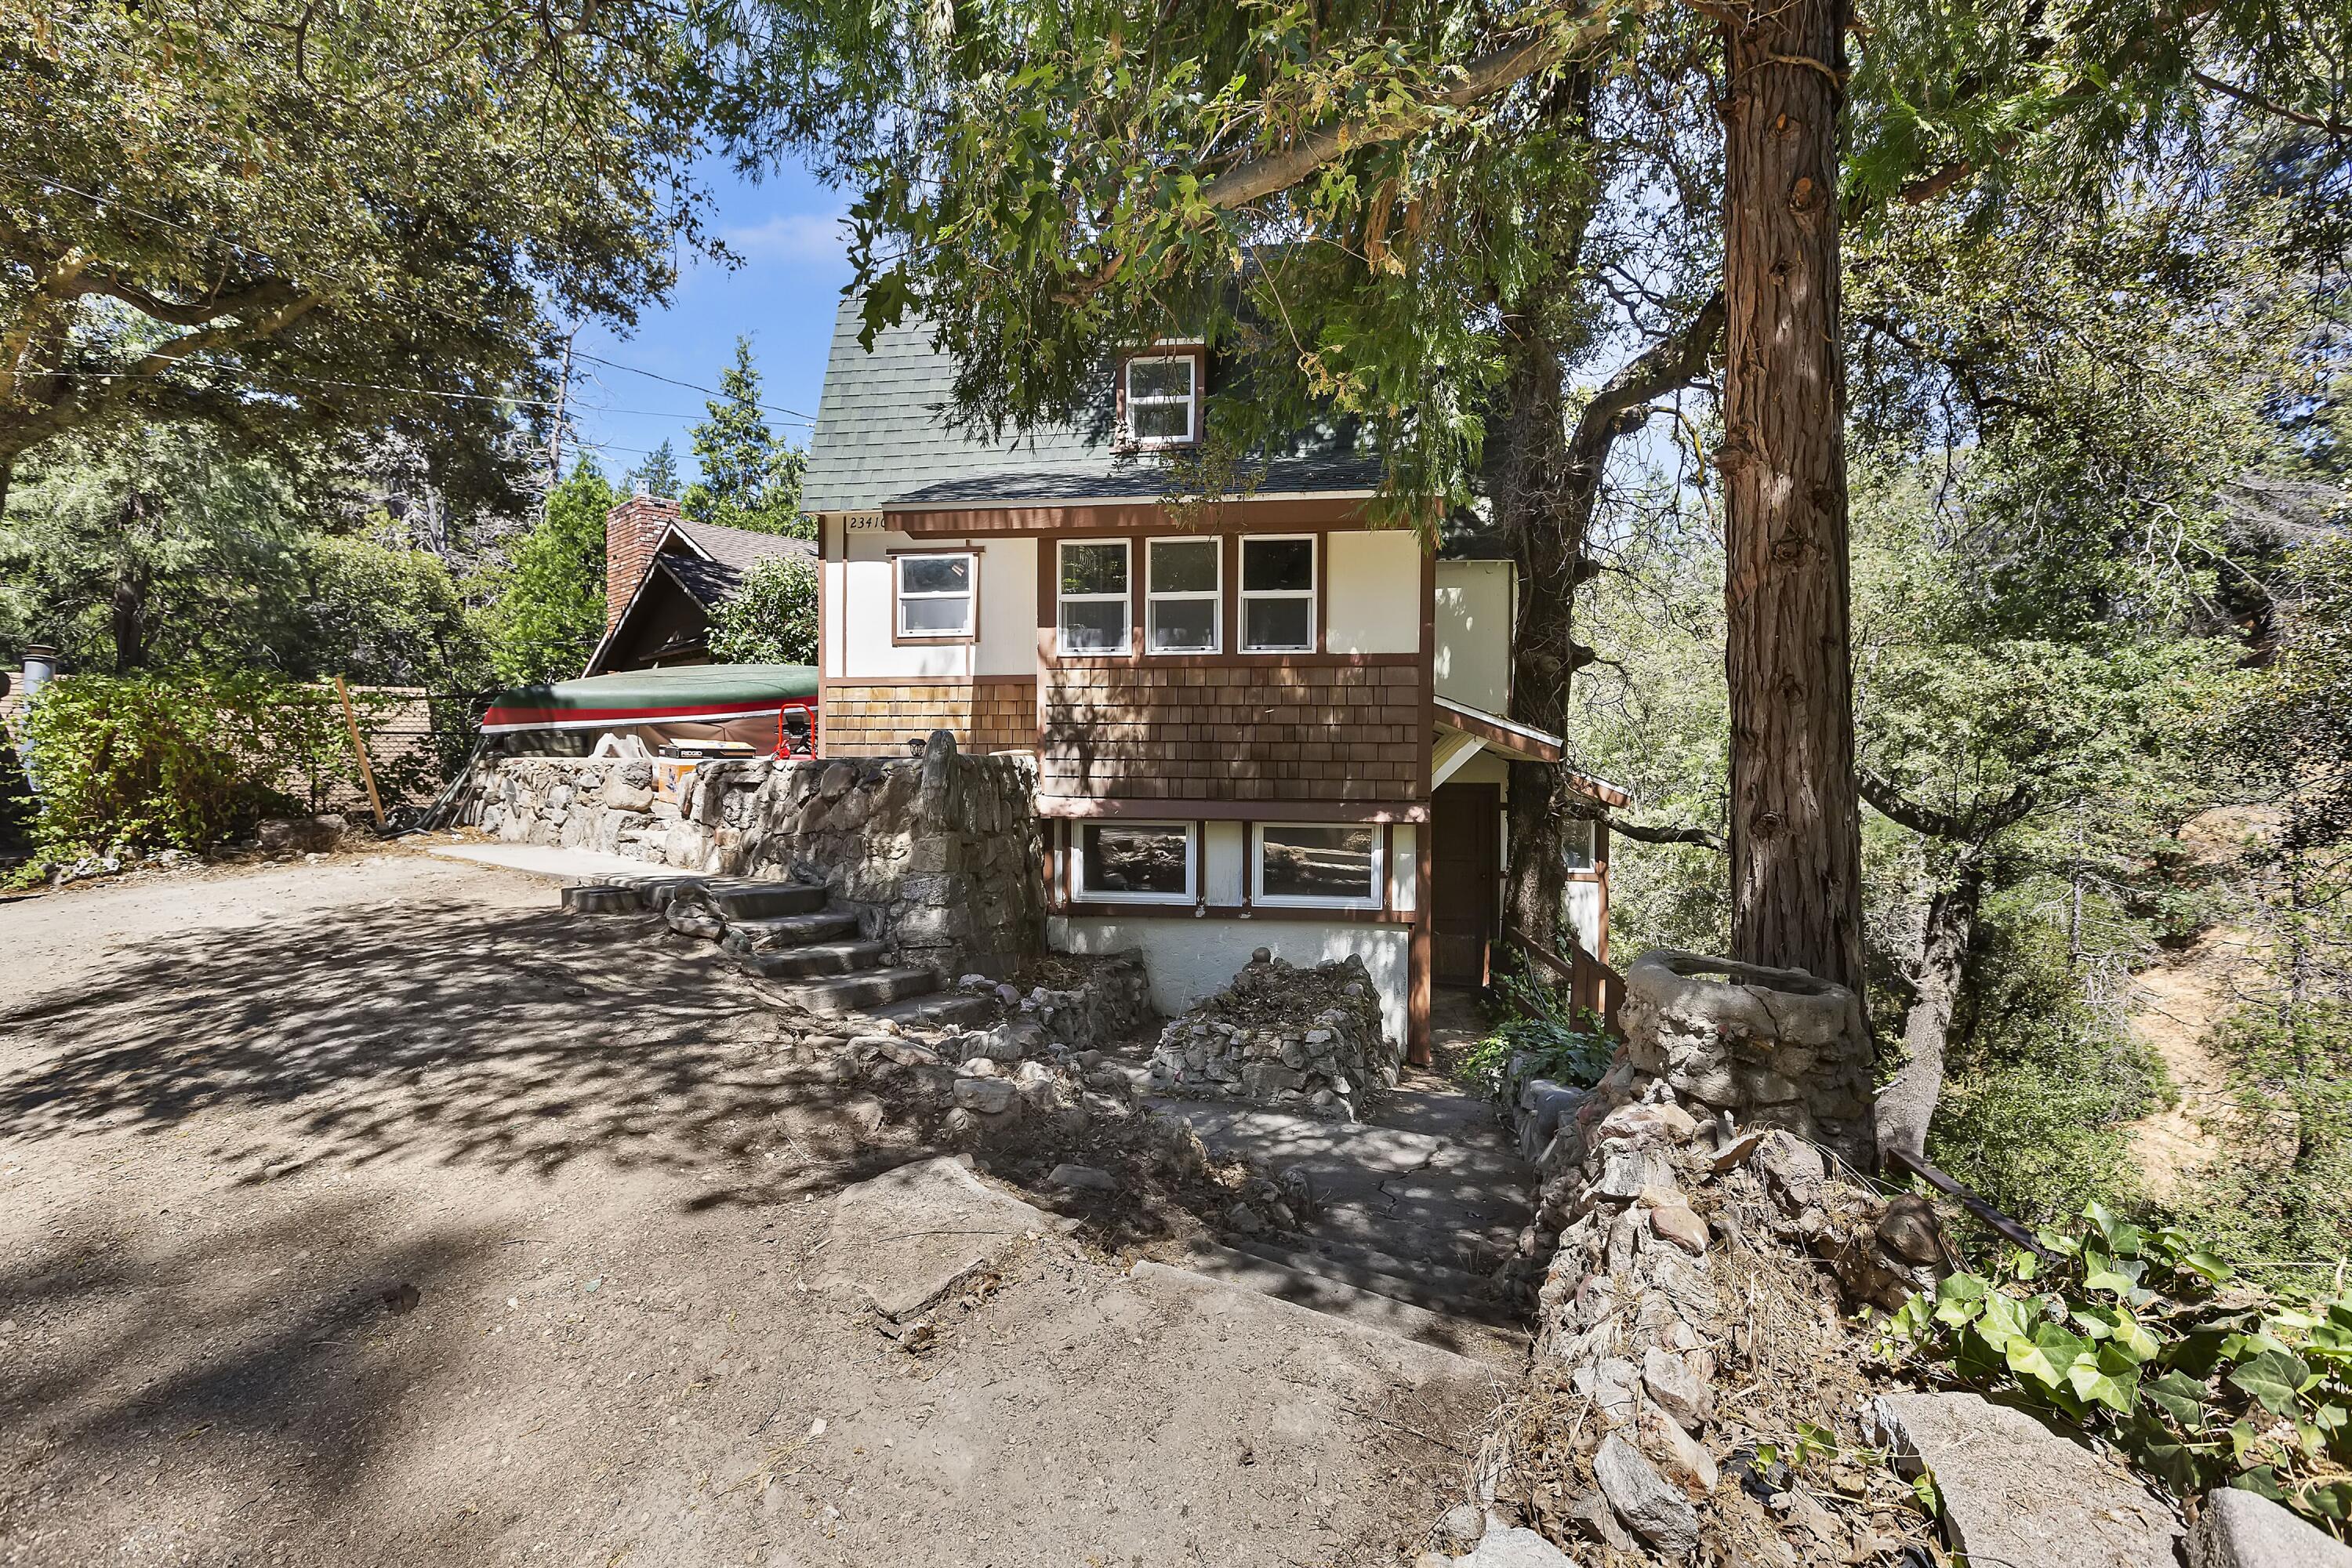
column 817, row 958
column 1369, row 1309
column 939, row 1010
column 752, row 938
column 1433, row 1287
column 766, row 900
column 859, row 992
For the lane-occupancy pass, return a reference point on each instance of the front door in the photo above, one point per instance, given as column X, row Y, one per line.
column 1465, row 876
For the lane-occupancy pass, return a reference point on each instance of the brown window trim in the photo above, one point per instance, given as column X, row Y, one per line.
column 1125, row 439
column 929, row 639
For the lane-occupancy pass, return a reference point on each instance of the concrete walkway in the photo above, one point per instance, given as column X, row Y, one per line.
column 546, row 860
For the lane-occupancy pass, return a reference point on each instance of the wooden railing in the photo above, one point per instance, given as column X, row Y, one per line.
column 1592, row 986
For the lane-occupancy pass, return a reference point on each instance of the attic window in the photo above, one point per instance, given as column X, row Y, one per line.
column 1162, row 398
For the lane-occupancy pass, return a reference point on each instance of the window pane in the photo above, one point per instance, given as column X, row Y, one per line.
column 1094, row 569
column 1275, row 564
column 1185, row 626
column 1161, row 421
column 935, row 573
column 1159, row 377
column 1119, row 860
column 1093, row 626
column 1278, row 624
column 1576, row 844
column 1184, row 566
column 1333, row 863
column 943, row 614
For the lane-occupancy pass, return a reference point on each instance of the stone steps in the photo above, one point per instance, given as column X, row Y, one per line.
column 939, row 1010
column 860, row 992
column 751, row 939
column 745, row 900
column 1335, row 1297
column 815, row 958
column 1432, row 1287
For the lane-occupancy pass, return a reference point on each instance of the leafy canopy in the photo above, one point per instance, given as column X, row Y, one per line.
column 772, row 619
column 550, row 600
column 273, row 216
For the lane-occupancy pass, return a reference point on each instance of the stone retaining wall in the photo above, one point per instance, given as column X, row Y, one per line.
column 941, row 856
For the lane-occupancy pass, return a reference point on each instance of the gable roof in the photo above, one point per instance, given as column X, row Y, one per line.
column 882, row 440
column 706, row 562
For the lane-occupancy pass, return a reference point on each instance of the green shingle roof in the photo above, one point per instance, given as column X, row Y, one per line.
column 882, row 440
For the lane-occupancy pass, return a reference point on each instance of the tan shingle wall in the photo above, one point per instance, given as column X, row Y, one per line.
column 1343, row 732
column 875, row 719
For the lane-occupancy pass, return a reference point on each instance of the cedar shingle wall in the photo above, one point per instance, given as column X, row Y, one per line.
column 875, row 719
column 1344, row 733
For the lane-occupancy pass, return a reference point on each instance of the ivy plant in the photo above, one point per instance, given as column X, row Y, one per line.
column 2146, row 1339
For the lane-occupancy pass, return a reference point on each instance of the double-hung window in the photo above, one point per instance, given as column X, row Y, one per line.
column 1163, row 397
column 1337, row 864
column 1278, row 595
column 1136, row 862
column 935, row 594
column 1184, row 591
column 1096, row 604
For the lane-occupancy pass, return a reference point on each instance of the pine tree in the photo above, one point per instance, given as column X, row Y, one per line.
column 657, row 476
column 750, row 479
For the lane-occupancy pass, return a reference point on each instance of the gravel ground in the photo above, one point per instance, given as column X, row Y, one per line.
column 369, row 1211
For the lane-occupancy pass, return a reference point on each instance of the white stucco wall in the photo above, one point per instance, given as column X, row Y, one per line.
column 1584, row 914
column 1189, row 959
column 858, row 609
column 1474, row 604
column 1404, row 869
column 1374, row 592
column 1224, row 863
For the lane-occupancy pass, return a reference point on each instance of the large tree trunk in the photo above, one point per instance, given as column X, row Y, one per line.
column 1907, row 1103
column 1796, row 847
column 127, row 610
column 1544, row 501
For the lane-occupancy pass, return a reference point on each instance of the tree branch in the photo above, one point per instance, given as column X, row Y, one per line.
column 1674, row 361
column 1481, row 78
column 2256, row 101
column 1970, row 828
column 268, row 292
column 1641, row 833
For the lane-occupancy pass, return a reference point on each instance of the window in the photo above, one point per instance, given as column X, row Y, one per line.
column 1576, row 844
column 1095, row 606
column 1161, row 395
column 935, row 596
column 1136, row 862
column 1316, row 864
column 1183, row 595
column 1278, row 595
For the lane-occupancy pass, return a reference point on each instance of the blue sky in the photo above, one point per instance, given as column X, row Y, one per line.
column 787, row 229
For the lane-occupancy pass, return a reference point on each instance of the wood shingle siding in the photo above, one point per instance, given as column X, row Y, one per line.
column 876, row 718
column 1341, row 732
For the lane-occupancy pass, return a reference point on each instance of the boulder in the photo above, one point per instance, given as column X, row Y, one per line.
column 1515, row 1549
column 1082, row 1178
column 2239, row 1529
column 302, row 835
column 1651, row 1507
column 2015, row 1492
column 986, row 1095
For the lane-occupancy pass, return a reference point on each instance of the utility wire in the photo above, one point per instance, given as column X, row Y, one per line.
column 690, row 387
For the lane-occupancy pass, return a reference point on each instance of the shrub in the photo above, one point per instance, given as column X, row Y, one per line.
column 178, row 762
column 772, row 620
column 2132, row 1337
column 1538, row 1022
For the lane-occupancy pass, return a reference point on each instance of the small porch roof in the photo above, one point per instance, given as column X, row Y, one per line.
column 1464, row 731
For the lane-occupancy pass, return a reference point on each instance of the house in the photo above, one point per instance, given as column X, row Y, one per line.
column 665, row 577
column 1257, row 719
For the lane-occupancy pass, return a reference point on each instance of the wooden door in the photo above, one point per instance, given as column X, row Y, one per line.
column 1466, row 875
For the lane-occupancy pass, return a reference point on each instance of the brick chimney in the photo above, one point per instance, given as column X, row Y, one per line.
column 633, row 530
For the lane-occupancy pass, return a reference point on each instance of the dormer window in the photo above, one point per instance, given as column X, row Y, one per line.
column 1162, row 397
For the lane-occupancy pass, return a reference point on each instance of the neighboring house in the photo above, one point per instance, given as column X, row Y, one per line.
column 666, row 578
column 1257, row 721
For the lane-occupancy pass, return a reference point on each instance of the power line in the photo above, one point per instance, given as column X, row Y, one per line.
column 691, row 386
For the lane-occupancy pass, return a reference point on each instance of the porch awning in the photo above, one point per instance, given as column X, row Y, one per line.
column 1462, row 731
column 704, row 693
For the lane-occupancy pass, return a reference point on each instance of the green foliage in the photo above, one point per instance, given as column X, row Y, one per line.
column 657, row 476
column 750, row 479
column 183, row 761
column 157, row 548
column 772, row 619
column 275, row 218
column 549, row 608
column 1537, row 1023
column 2128, row 1337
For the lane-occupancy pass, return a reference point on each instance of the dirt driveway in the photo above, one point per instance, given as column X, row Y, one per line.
column 370, row 1211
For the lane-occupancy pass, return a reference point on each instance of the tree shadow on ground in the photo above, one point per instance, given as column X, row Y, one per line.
column 441, row 1029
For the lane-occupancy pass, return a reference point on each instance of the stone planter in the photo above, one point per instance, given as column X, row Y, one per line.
column 1776, row 1048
